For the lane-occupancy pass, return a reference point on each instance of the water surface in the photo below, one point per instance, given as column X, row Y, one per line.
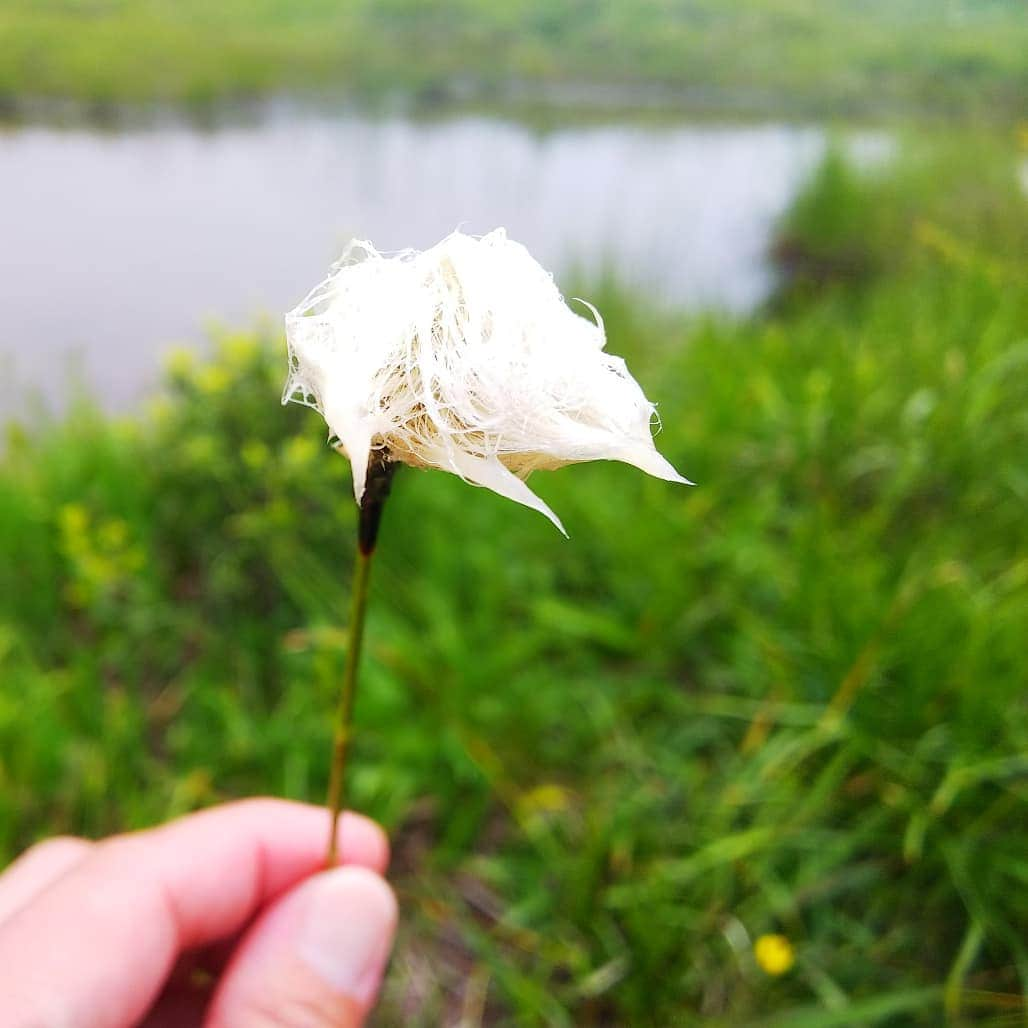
column 116, row 245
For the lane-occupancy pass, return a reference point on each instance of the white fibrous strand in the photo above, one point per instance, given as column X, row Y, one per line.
column 466, row 358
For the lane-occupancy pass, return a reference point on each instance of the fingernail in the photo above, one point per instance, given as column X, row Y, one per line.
column 347, row 929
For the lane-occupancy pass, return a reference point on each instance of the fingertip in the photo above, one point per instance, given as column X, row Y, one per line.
column 37, row 868
column 61, row 850
column 346, row 930
column 321, row 950
column 359, row 889
column 362, row 842
column 359, row 839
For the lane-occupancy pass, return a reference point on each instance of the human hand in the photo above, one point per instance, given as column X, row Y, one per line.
column 222, row 918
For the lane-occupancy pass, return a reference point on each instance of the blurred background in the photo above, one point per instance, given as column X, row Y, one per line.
column 750, row 753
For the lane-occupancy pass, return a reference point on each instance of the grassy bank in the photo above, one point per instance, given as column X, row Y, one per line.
column 956, row 57
column 791, row 700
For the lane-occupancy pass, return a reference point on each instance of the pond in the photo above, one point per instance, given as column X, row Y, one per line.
column 117, row 244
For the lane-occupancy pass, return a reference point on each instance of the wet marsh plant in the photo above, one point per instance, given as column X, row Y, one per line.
column 464, row 358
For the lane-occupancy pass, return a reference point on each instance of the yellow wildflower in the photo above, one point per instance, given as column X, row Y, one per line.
column 180, row 362
column 213, row 379
column 774, row 954
column 255, row 454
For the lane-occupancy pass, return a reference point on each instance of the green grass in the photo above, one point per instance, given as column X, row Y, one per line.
column 946, row 56
column 791, row 699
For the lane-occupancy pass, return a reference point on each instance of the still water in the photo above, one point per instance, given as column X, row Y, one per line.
column 115, row 246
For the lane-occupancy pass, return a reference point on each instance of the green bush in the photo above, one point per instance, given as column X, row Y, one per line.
column 791, row 700
column 964, row 58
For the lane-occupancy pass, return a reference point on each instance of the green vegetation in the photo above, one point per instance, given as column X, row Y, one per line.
column 947, row 56
column 791, row 700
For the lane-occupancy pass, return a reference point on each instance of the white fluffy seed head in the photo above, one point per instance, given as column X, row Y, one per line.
column 464, row 357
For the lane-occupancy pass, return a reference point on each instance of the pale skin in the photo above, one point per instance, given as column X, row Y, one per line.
column 221, row 918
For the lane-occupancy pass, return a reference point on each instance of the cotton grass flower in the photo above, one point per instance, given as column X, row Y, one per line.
column 465, row 358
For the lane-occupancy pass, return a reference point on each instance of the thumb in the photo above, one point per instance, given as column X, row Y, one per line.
column 314, row 959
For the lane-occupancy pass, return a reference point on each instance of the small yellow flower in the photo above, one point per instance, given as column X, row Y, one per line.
column 255, row 454
column 213, row 379
column 201, row 449
column 543, row 800
column 74, row 520
column 300, row 450
column 774, row 954
column 112, row 534
column 239, row 350
column 180, row 362
column 160, row 410
column 547, row 797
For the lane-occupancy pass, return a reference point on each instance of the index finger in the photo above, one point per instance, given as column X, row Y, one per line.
column 96, row 947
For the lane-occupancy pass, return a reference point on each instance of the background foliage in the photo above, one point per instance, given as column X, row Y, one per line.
column 877, row 56
column 791, row 700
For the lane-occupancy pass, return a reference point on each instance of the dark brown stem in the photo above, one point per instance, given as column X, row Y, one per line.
column 380, row 477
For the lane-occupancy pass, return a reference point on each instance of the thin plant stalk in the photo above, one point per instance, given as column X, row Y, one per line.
column 344, row 712
column 380, row 475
